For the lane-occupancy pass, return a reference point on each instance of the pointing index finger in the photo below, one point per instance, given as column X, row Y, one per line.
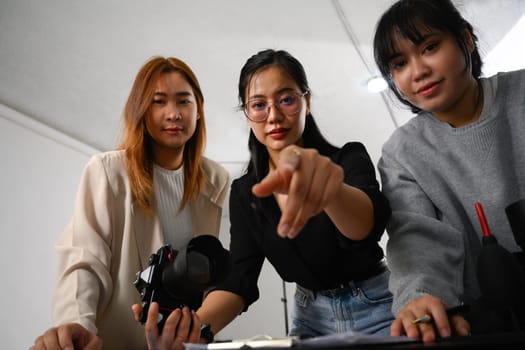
column 279, row 179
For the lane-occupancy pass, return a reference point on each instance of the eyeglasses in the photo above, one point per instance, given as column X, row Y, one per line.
column 288, row 103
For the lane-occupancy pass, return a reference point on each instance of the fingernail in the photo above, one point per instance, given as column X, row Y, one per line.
column 444, row 333
column 289, row 167
column 284, row 229
column 292, row 233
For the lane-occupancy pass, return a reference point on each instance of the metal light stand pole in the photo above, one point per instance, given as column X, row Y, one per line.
column 285, row 301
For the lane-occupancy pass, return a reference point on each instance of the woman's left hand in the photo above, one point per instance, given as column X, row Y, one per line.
column 309, row 179
column 440, row 323
column 181, row 326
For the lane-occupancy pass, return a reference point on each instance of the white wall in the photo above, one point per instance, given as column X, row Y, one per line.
column 509, row 53
column 38, row 180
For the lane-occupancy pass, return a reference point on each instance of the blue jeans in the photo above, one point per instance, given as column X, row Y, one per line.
column 363, row 306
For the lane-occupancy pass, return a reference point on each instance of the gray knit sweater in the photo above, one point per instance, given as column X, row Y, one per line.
column 433, row 174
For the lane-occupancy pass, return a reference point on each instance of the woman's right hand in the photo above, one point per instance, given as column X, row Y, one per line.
column 182, row 326
column 310, row 180
column 67, row 337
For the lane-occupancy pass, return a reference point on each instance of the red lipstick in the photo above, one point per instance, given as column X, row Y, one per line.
column 278, row 133
column 173, row 130
column 428, row 89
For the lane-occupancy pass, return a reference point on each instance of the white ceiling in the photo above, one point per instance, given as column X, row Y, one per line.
column 70, row 64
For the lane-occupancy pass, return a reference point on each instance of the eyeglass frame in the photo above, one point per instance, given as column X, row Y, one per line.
column 244, row 107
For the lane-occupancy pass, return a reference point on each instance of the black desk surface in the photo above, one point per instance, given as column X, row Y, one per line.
column 505, row 340
column 508, row 340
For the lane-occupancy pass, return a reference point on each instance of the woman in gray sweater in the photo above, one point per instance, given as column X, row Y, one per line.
column 465, row 145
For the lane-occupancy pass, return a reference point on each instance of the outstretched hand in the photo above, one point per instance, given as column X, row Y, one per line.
column 310, row 182
column 68, row 336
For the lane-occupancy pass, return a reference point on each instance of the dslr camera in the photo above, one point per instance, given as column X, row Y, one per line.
column 175, row 279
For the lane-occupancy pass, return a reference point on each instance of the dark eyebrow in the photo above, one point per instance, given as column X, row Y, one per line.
column 394, row 56
column 183, row 93
column 255, row 97
column 421, row 39
column 424, row 37
column 279, row 92
column 178, row 94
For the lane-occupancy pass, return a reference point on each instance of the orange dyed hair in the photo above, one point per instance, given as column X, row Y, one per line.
column 138, row 143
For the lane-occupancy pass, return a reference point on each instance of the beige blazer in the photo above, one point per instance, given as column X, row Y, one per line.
column 109, row 239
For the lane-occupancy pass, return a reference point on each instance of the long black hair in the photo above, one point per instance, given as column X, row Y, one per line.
column 312, row 137
column 407, row 18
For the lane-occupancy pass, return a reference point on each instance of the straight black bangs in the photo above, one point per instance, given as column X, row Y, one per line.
column 409, row 21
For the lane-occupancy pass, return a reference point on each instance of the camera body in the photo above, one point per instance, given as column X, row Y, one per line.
column 175, row 279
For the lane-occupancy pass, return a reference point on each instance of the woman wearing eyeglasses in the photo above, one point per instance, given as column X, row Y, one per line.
column 313, row 210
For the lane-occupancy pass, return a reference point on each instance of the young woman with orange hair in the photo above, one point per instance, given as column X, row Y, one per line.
column 157, row 188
